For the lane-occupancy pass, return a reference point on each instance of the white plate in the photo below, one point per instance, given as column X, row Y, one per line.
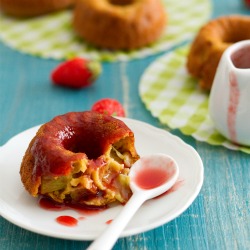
column 18, row 207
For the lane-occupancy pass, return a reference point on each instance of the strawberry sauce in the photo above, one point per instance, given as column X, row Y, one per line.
column 234, row 96
column 173, row 189
column 71, row 137
column 109, row 222
column 152, row 175
column 144, row 178
column 241, row 58
column 51, row 205
column 67, row 221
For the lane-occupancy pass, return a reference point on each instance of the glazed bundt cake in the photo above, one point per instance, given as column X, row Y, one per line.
column 210, row 43
column 119, row 24
column 31, row 8
column 80, row 158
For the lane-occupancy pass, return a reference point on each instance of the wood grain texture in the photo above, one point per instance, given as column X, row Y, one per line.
column 220, row 216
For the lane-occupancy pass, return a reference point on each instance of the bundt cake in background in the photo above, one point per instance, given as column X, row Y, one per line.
column 210, row 43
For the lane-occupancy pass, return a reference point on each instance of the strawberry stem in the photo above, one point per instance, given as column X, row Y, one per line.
column 95, row 69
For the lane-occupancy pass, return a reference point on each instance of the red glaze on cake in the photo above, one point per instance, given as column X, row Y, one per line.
column 80, row 157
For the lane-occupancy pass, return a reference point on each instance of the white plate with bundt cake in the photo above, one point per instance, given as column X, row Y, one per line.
column 72, row 222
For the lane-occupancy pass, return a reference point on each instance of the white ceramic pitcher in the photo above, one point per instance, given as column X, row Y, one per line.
column 229, row 101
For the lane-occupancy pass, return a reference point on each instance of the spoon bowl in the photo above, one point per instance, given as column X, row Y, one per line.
column 150, row 176
column 153, row 175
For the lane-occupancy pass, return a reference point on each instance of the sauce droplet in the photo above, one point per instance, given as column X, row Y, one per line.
column 68, row 221
column 109, row 221
column 81, row 218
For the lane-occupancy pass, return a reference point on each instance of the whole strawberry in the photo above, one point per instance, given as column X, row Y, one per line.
column 109, row 106
column 76, row 73
column 247, row 3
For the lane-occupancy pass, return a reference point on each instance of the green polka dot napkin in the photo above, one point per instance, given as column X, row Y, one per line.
column 174, row 97
column 52, row 36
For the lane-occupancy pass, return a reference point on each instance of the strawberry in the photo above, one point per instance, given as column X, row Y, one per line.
column 247, row 3
column 76, row 73
column 109, row 106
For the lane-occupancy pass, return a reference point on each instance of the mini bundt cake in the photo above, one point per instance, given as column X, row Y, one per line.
column 210, row 43
column 119, row 24
column 30, row 8
column 80, row 158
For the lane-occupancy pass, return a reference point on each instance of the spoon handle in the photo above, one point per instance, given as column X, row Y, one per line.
column 108, row 238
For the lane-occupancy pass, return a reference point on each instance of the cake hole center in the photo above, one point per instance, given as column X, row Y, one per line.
column 121, row 2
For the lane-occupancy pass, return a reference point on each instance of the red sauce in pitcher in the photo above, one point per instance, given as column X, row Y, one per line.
column 241, row 58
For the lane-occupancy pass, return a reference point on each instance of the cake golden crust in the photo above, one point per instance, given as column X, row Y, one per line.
column 119, row 24
column 30, row 8
column 210, row 43
column 80, row 157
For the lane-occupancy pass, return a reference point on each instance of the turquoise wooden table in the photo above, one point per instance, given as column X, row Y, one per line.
column 219, row 218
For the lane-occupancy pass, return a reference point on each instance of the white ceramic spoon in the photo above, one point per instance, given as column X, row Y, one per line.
column 150, row 176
